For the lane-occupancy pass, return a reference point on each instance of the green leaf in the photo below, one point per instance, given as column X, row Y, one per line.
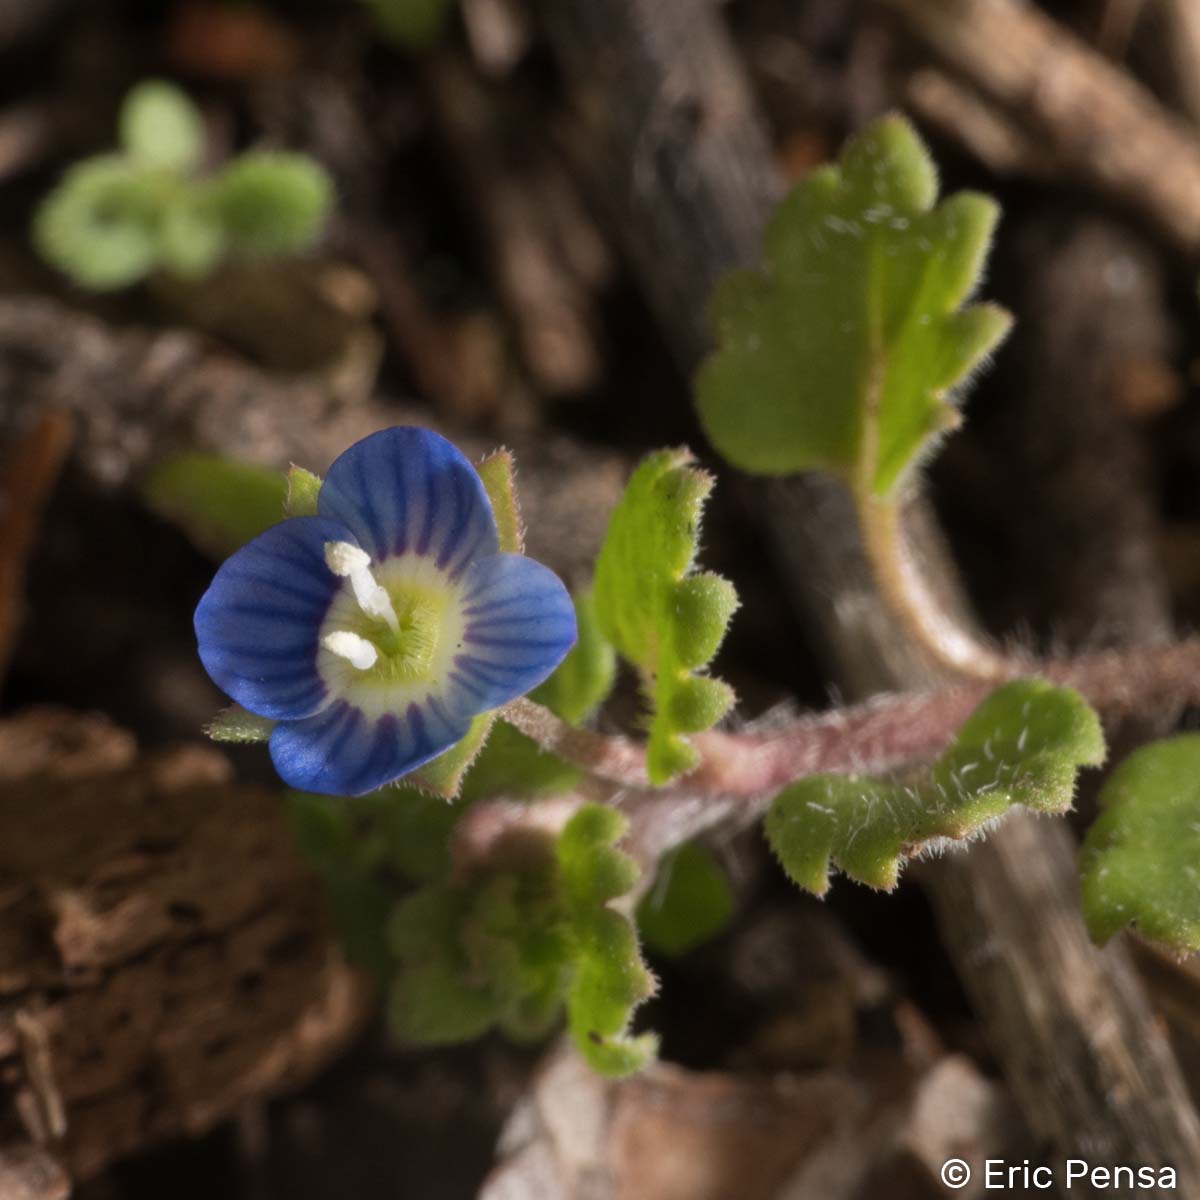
column 160, row 125
column 663, row 619
column 272, row 202
column 100, row 224
column 843, row 352
column 609, row 979
column 516, row 767
column 433, row 1001
column 303, row 488
column 412, row 24
column 360, row 902
column 1141, row 858
column 220, row 504
column 506, row 948
column 191, row 240
column 690, row 902
column 239, row 725
column 585, row 677
column 1023, row 745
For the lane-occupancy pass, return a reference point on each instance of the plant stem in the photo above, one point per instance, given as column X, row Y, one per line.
column 887, row 733
column 906, row 590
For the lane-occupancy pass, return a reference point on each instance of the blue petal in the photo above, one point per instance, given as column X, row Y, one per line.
column 340, row 752
column 409, row 491
column 257, row 624
column 519, row 625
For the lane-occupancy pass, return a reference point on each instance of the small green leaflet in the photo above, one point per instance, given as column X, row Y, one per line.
column 842, row 352
column 1023, row 745
column 509, row 948
column 689, row 903
column 161, row 127
column 271, row 202
column 1141, row 859
column 663, row 619
column 219, row 503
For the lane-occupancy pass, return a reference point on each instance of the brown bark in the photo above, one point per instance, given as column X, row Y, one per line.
column 164, row 953
column 1095, row 119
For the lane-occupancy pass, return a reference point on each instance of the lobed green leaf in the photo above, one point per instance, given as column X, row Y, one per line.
column 1023, row 745
column 844, row 351
column 660, row 617
column 609, row 979
column 1141, row 859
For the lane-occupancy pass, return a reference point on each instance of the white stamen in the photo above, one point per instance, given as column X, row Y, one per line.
column 343, row 558
column 350, row 562
column 357, row 651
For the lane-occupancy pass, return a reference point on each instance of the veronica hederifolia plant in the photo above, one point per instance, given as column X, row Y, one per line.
column 507, row 904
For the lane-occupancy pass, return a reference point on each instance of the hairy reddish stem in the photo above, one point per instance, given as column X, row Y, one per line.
column 887, row 733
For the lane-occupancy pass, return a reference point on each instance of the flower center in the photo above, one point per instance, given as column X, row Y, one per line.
column 393, row 634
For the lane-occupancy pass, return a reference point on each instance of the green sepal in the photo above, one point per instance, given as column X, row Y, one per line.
column 689, row 904
column 843, row 352
column 443, row 776
column 1023, row 745
column 303, row 489
column 498, row 472
column 161, row 127
column 660, row 617
column 271, row 202
column 219, row 503
column 1140, row 864
column 239, row 725
column 585, row 677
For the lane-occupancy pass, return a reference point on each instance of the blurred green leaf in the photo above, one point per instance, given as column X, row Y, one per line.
column 100, row 224
column 1141, row 857
column 843, row 351
column 160, row 126
column 220, row 504
column 412, row 24
column 1023, row 745
column 689, row 904
column 516, row 767
column 272, row 202
column 191, row 240
column 663, row 619
column 585, row 677
column 506, row 948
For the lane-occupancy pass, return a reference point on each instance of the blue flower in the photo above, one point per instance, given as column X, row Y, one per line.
column 375, row 631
